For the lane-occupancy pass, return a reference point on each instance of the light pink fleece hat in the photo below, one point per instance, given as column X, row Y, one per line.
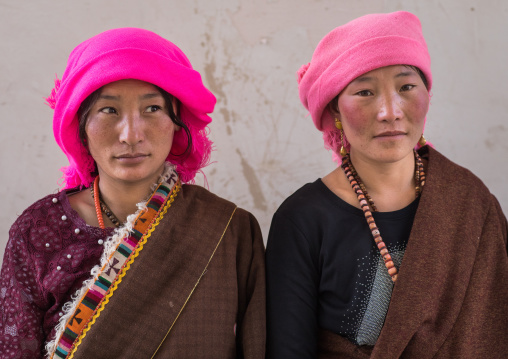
column 130, row 53
column 364, row 44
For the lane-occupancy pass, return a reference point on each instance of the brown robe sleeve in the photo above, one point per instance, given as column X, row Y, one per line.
column 251, row 325
column 481, row 328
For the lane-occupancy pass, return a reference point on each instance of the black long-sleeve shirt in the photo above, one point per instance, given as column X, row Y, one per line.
column 325, row 271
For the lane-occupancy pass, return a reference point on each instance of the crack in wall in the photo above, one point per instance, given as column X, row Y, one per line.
column 254, row 184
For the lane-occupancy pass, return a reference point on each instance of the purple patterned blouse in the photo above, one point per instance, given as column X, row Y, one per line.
column 50, row 252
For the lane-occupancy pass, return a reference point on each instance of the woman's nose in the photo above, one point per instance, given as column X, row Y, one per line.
column 390, row 107
column 131, row 129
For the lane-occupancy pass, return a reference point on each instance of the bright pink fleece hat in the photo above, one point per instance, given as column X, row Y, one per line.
column 364, row 44
column 130, row 53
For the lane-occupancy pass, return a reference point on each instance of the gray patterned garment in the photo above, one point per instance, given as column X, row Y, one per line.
column 377, row 299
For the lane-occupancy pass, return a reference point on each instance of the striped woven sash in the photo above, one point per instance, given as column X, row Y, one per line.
column 97, row 296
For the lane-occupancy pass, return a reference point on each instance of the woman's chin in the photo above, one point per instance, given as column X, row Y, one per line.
column 133, row 175
column 387, row 155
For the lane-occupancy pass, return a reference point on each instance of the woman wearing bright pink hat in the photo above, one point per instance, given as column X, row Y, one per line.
column 130, row 260
column 398, row 253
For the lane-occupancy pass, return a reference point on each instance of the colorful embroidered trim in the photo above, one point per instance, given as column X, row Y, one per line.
column 118, row 263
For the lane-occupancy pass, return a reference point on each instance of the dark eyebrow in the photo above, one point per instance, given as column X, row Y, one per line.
column 362, row 79
column 109, row 97
column 368, row 78
column 150, row 95
column 142, row 97
column 405, row 74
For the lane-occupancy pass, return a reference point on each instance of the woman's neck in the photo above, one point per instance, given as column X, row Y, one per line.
column 122, row 197
column 390, row 185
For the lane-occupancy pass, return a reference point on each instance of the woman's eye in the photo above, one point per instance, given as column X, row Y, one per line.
column 153, row 108
column 108, row 110
column 364, row 93
column 407, row 87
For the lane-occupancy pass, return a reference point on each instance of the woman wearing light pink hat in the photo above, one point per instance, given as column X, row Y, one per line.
column 130, row 260
column 399, row 252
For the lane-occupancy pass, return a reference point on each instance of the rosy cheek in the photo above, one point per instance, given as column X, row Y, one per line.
column 422, row 103
column 354, row 117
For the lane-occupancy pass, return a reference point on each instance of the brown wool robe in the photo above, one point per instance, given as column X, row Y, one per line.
column 451, row 296
column 229, row 298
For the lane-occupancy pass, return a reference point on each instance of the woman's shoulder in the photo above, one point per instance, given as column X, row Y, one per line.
column 41, row 207
column 309, row 198
column 461, row 186
column 41, row 227
column 457, row 177
column 201, row 203
column 193, row 191
column 200, row 197
column 52, row 218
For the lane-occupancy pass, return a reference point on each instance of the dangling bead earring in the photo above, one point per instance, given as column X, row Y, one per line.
column 422, row 141
column 338, row 124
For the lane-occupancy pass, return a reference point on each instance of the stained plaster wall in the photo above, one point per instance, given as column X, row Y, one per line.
column 248, row 52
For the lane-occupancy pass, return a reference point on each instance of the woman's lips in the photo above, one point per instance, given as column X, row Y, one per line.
column 391, row 134
column 131, row 157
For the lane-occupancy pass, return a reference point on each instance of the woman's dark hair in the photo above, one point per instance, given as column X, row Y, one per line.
column 176, row 119
column 89, row 102
column 422, row 75
column 83, row 112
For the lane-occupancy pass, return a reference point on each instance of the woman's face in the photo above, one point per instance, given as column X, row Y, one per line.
column 129, row 132
column 383, row 113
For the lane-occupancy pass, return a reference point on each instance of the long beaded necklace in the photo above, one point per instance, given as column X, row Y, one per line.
column 368, row 206
column 101, row 206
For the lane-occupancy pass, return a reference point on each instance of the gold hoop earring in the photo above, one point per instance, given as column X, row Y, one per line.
column 338, row 124
column 422, row 141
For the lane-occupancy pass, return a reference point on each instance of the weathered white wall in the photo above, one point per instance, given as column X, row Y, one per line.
column 248, row 52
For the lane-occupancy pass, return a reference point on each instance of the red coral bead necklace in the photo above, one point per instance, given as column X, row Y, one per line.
column 368, row 206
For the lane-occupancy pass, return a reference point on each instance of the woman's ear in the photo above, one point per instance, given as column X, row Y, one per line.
column 174, row 103
column 332, row 109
